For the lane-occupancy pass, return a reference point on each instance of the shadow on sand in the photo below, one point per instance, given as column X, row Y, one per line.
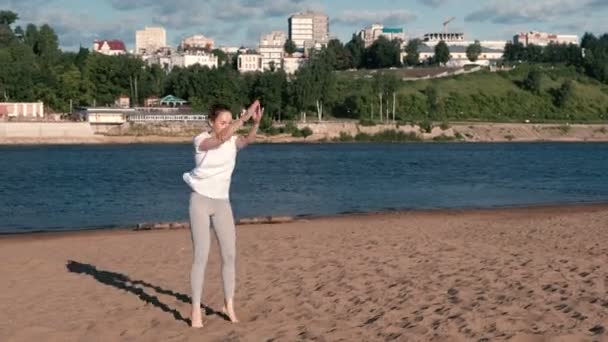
column 136, row 287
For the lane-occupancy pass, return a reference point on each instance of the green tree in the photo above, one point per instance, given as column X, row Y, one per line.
column 356, row 48
column 46, row 45
column 473, row 51
column 411, row 49
column 289, row 47
column 222, row 57
column 270, row 88
column 564, row 94
column 7, row 18
column 534, row 53
column 383, row 53
column 314, row 87
column 514, row 52
column 18, row 71
column 533, row 81
column 442, row 53
column 433, row 103
column 588, row 41
column 336, row 55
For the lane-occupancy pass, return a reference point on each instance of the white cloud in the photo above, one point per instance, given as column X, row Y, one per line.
column 520, row 12
column 433, row 3
column 363, row 18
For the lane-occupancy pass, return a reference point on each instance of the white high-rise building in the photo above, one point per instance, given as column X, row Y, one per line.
column 308, row 28
column 271, row 47
column 150, row 39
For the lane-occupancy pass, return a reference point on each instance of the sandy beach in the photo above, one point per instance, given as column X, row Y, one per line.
column 527, row 274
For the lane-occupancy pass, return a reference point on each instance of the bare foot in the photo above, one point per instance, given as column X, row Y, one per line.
column 197, row 320
column 228, row 310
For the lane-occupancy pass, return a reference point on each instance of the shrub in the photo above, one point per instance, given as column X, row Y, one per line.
column 426, row 126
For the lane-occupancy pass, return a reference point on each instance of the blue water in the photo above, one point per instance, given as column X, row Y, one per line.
column 74, row 187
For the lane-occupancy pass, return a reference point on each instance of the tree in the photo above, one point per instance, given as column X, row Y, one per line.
column 588, row 41
column 356, row 48
column 383, row 53
column 8, row 18
column 564, row 93
column 432, row 97
column 442, row 53
column 336, row 55
column 270, row 88
column 19, row 33
column 314, row 86
column 290, row 46
column 533, row 81
column 222, row 57
column 473, row 51
column 411, row 49
column 596, row 58
column 514, row 52
column 534, row 53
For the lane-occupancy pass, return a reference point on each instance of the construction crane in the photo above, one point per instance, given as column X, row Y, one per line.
column 446, row 22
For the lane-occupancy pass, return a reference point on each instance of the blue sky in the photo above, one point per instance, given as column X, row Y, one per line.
column 240, row 22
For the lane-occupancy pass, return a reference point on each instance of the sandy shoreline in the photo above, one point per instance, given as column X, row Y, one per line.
column 525, row 274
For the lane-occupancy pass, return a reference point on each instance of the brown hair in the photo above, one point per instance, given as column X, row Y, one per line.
column 216, row 109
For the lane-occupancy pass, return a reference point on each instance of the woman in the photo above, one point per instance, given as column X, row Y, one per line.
column 215, row 156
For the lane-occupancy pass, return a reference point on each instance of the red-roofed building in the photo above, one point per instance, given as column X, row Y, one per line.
column 109, row 47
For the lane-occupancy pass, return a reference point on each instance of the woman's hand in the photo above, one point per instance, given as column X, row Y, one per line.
column 257, row 116
column 253, row 108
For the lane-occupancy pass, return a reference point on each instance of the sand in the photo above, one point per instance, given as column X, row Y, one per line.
column 529, row 274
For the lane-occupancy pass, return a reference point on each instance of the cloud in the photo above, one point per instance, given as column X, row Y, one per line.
column 433, row 3
column 364, row 18
column 74, row 30
column 521, row 12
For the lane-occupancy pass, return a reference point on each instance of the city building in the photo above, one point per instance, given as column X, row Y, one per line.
column 160, row 57
column 373, row 32
column 544, row 38
column 188, row 58
column 458, row 55
column 308, row 26
column 150, row 39
column 196, row 42
column 292, row 63
column 21, row 110
column 458, row 39
column 249, row 62
column 122, row 101
column 109, row 47
column 449, row 38
column 271, row 48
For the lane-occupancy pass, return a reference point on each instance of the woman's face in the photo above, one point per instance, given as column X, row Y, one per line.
column 222, row 121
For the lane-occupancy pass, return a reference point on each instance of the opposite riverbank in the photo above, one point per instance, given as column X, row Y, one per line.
column 342, row 132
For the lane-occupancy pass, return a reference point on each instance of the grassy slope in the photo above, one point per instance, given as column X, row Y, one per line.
column 482, row 95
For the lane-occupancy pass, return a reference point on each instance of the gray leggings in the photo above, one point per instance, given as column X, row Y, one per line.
column 203, row 211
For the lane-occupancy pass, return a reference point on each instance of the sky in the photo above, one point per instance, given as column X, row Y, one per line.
column 241, row 22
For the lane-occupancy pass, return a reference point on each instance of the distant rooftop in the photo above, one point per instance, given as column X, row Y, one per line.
column 114, row 44
column 392, row 30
